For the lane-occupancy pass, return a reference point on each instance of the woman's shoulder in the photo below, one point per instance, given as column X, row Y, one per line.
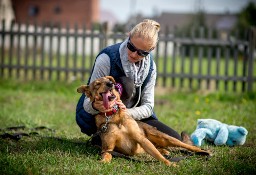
column 112, row 47
column 102, row 58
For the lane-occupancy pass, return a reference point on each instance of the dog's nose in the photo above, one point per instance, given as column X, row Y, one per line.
column 110, row 84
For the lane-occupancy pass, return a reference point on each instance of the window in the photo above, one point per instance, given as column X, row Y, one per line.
column 57, row 10
column 33, row 10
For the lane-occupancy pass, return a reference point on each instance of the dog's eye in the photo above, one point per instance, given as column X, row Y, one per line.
column 97, row 85
column 109, row 84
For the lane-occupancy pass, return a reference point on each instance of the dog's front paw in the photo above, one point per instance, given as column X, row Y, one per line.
column 168, row 163
column 106, row 157
column 104, row 161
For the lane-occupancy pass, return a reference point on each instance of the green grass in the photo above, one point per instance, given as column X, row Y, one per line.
column 65, row 151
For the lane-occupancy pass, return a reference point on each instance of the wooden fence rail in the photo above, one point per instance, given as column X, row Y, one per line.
column 194, row 62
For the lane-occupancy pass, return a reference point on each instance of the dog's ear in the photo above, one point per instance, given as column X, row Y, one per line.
column 81, row 89
column 84, row 89
column 128, row 87
column 111, row 79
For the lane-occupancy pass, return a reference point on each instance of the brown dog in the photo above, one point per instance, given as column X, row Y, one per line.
column 122, row 133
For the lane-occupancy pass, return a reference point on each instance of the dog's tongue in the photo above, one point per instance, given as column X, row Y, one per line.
column 106, row 99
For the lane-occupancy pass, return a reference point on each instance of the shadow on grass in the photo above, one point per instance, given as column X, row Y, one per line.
column 23, row 156
column 41, row 144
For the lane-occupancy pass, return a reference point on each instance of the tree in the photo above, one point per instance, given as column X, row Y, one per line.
column 246, row 18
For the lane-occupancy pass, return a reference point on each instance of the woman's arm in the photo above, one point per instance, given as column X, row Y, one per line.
column 101, row 69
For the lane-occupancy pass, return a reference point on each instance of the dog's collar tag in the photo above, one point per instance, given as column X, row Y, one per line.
column 105, row 126
column 114, row 110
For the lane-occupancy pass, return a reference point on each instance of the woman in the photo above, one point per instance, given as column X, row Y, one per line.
column 132, row 63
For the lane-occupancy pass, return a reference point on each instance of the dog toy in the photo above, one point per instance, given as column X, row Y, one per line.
column 218, row 133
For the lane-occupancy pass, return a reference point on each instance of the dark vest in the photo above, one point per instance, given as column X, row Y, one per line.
column 85, row 120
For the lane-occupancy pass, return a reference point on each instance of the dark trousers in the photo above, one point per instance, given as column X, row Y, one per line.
column 161, row 127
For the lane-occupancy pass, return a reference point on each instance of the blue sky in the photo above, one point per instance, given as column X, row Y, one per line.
column 122, row 9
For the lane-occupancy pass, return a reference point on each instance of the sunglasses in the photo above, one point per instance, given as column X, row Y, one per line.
column 132, row 48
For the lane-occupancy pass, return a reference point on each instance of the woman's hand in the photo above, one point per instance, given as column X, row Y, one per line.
column 120, row 104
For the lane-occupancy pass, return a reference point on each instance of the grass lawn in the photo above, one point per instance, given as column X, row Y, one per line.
column 65, row 151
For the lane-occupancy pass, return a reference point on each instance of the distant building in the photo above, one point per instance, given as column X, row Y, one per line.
column 57, row 12
column 108, row 17
column 221, row 22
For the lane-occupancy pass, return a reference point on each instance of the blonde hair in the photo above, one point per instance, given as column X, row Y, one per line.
column 147, row 29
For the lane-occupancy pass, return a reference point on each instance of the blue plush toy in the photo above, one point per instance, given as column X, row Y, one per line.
column 219, row 133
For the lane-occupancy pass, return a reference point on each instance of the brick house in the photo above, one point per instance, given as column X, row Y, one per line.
column 57, row 12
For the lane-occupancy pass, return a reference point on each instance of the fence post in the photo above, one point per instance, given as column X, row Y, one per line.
column 11, row 50
column 35, row 38
column 75, row 50
column 105, row 33
column 67, row 50
column 174, row 56
column 2, row 49
column 165, row 56
column 252, row 38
